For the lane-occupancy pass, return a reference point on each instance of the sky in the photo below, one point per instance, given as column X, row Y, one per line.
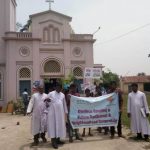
column 123, row 41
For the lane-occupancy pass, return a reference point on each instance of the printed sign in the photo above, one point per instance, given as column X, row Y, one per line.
column 93, row 73
column 94, row 112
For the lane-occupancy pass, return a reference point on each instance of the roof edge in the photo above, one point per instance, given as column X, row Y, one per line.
column 50, row 11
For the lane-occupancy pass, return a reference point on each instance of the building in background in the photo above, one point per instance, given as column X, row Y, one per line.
column 142, row 81
column 50, row 51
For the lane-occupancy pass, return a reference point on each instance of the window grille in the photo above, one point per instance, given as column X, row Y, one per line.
column 52, row 67
column 25, row 73
column 78, row 72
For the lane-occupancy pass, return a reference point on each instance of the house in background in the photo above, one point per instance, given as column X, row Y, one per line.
column 142, row 81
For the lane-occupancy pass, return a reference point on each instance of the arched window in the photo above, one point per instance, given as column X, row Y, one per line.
column 78, row 72
column 25, row 79
column 45, row 35
column 51, row 34
column 56, row 36
column 52, row 66
column 1, row 86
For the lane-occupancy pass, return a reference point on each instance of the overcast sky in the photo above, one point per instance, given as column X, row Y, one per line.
column 117, row 47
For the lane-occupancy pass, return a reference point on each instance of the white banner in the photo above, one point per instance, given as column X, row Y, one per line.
column 89, row 86
column 93, row 73
column 94, row 111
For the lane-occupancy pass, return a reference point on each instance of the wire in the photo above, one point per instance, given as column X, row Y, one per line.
column 125, row 34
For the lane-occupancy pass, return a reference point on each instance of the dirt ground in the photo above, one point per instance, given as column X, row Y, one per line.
column 18, row 137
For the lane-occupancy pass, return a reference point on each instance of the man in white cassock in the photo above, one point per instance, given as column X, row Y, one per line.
column 138, row 111
column 34, row 108
column 56, row 116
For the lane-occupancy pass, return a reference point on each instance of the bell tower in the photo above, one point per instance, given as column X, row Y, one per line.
column 7, row 23
column 7, row 16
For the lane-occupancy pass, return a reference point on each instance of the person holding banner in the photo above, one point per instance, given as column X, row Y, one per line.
column 72, row 91
column 113, row 88
column 138, row 111
column 99, row 93
column 88, row 94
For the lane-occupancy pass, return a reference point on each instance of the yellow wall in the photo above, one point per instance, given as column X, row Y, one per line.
column 124, row 87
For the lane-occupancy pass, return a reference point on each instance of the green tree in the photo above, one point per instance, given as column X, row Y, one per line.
column 141, row 74
column 26, row 26
column 108, row 77
column 67, row 81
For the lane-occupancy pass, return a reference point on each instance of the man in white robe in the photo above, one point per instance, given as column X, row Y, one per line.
column 34, row 108
column 138, row 111
column 43, row 108
column 56, row 116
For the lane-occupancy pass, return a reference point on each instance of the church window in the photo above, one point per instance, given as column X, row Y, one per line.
column 46, row 35
column 78, row 72
column 25, row 73
column 51, row 33
column 25, row 79
column 56, row 36
column 52, row 66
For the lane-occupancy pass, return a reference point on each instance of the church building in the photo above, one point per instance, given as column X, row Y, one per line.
column 50, row 50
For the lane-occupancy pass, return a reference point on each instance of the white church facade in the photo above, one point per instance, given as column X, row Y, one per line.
column 51, row 50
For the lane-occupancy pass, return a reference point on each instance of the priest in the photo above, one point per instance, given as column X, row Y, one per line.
column 34, row 108
column 138, row 111
column 56, row 116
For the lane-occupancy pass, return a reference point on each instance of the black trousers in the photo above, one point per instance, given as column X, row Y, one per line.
column 70, row 130
column 119, row 127
column 36, row 138
column 139, row 136
column 25, row 106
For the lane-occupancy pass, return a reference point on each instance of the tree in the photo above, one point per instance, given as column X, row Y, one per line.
column 18, row 26
column 141, row 74
column 26, row 26
column 108, row 77
column 67, row 81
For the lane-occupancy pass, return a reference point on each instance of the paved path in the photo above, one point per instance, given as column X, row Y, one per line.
column 17, row 137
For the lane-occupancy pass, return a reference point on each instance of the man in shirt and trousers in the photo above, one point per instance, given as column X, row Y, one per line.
column 34, row 108
column 57, row 112
column 25, row 98
column 113, row 88
column 72, row 91
column 138, row 112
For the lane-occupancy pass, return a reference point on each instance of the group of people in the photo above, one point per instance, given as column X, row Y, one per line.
column 50, row 113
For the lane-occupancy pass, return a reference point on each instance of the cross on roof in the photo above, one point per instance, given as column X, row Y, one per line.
column 50, row 3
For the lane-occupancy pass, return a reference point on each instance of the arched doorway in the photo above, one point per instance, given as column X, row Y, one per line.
column 78, row 73
column 52, row 72
column 25, row 78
